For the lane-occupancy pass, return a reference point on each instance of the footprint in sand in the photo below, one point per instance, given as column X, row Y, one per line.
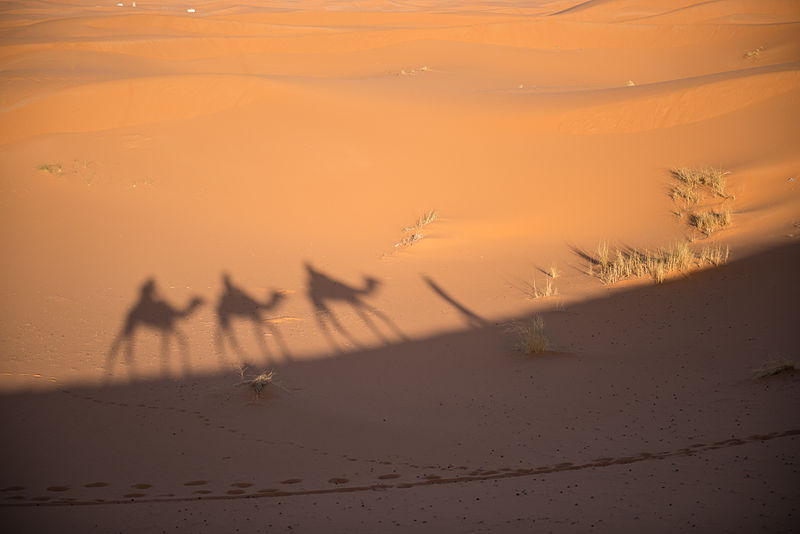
column 142, row 486
column 389, row 476
column 96, row 485
column 58, row 488
column 241, row 484
column 203, row 492
column 235, row 492
column 13, row 488
column 196, row 483
column 337, row 480
column 292, row 481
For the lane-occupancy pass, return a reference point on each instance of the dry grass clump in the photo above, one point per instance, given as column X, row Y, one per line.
column 554, row 272
column 534, row 292
column 531, row 338
column 52, row 168
column 415, row 231
column 689, row 181
column 715, row 255
column 260, row 382
column 753, row 54
column 710, row 221
column 657, row 264
column 774, row 368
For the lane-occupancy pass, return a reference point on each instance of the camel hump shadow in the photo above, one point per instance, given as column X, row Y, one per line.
column 234, row 302
column 152, row 311
column 323, row 291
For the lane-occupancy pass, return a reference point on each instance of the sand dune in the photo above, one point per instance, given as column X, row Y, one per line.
column 249, row 182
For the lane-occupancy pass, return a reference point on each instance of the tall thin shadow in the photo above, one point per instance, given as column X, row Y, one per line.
column 234, row 302
column 153, row 312
column 323, row 291
column 472, row 319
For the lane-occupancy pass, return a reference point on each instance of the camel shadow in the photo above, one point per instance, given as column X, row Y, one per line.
column 323, row 291
column 153, row 312
column 234, row 303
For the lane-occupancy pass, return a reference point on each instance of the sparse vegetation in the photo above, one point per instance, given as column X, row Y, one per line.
column 689, row 181
column 534, row 292
column 753, row 54
column 710, row 221
column 53, row 168
column 415, row 231
column 260, row 382
column 554, row 272
column 659, row 264
column 602, row 254
column 773, row 368
column 531, row 338
column 714, row 255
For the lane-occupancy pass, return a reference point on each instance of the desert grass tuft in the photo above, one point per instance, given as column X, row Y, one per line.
column 554, row 272
column 534, row 292
column 424, row 219
column 688, row 181
column 658, row 264
column 531, row 338
column 753, row 54
column 258, row 383
column 602, row 254
column 714, row 255
column 415, row 231
column 774, row 368
column 709, row 222
column 52, row 168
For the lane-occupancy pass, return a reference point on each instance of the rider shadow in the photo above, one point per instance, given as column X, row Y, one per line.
column 472, row 319
column 233, row 303
column 153, row 312
column 323, row 291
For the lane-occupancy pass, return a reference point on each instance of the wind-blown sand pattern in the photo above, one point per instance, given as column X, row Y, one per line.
column 190, row 199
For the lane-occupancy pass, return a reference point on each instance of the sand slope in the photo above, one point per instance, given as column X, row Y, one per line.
column 271, row 155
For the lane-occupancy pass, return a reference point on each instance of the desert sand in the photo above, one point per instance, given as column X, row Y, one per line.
column 192, row 198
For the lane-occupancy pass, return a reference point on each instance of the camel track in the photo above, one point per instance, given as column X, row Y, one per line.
column 480, row 475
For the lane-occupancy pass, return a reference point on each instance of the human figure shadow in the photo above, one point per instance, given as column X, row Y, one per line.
column 323, row 291
column 153, row 312
column 234, row 302
column 472, row 319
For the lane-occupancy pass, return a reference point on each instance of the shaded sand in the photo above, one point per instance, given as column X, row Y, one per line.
column 237, row 179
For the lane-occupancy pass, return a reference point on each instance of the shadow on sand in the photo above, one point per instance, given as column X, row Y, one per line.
column 153, row 312
column 235, row 303
column 324, row 291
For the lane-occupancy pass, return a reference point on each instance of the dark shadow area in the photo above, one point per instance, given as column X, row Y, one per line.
column 656, row 372
column 324, row 291
column 472, row 319
column 235, row 303
column 153, row 312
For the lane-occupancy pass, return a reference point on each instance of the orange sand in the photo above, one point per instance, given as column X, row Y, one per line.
column 286, row 145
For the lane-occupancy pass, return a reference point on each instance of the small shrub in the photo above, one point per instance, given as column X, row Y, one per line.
column 259, row 383
column 531, row 338
column 710, row 221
